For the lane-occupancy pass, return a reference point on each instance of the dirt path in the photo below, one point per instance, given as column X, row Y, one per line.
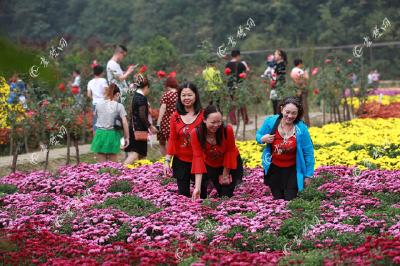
column 61, row 153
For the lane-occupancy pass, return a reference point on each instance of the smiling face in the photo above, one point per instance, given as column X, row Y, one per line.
column 213, row 122
column 188, row 97
column 289, row 112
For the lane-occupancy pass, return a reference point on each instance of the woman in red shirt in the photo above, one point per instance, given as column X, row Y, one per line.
column 215, row 155
column 188, row 115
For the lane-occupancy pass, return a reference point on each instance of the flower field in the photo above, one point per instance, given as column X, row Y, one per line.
column 108, row 214
column 385, row 100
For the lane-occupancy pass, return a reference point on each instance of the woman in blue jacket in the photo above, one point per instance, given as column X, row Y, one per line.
column 288, row 158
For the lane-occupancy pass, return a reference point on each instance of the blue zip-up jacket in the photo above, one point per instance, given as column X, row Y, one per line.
column 304, row 149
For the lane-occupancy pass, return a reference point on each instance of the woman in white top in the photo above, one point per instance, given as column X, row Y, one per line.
column 106, row 142
column 95, row 90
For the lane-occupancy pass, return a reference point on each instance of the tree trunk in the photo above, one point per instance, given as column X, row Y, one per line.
column 11, row 142
column 84, row 127
column 244, row 130
column 348, row 117
column 15, row 156
column 68, row 147
column 323, row 112
column 304, row 102
column 237, row 123
column 26, row 143
column 256, row 119
column 76, row 144
column 46, row 164
column 338, row 113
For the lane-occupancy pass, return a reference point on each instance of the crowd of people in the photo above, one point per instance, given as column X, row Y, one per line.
column 199, row 148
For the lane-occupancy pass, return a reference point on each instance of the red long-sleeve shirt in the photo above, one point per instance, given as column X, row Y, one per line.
column 214, row 155
column 179, row 143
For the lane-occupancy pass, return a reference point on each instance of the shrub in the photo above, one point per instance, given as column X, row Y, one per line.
column 110, row 170
column 123, row 186
column 7, row 189
column 129, row 204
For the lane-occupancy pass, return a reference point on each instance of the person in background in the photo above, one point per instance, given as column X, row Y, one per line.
column 18, row 91
column 139, row 121
column 106, row 142
column 76, row 75
column 300, row 79
column 375, row 79
column 168, row 106
column 96, row 89
column 214, row 82
column 288, row 158
column 269, row 74
column 188, row 116
column 114, row 70
column 236, row 67
column 280, row 71
column 215, row 155
column 370, row 76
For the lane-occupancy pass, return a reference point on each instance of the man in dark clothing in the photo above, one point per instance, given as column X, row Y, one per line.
column 237, row 67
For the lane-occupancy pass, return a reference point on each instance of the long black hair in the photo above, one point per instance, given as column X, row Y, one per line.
column 295, row 101
column 201, row 130
column 180, row 108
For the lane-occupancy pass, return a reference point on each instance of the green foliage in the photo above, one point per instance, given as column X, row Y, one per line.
column 355, row 147
column 249, row 214
column 313, row 258
column 343, row 239
column 122, row 234
column 131, row 205
column 110, row 170
column 46, row 198
column 7, row 189
column 188, row 261
column 123, row 186
column 166, row 181
column 385, row 210
column 211, row 203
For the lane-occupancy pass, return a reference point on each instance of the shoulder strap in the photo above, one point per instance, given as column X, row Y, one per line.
column 273, row 130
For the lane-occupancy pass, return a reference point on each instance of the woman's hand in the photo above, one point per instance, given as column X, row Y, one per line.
column 267, row 138
column 225, row 179
column 196, row 194
column 307, row 181
column 153, row 130
column 126, row 142
column 167, row 169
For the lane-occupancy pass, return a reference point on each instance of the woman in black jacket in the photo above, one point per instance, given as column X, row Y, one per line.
column 139, row 121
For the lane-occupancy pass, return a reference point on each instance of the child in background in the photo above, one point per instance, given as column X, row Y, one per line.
column 268, row 73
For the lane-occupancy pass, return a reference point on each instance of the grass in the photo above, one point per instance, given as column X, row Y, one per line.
column 131, row 205
column 123, row 186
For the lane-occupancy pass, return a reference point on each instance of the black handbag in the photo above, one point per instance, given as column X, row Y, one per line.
column 118, row 123
column 273, row 130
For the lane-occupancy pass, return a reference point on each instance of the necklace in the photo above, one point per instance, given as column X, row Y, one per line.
column 287, row 134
